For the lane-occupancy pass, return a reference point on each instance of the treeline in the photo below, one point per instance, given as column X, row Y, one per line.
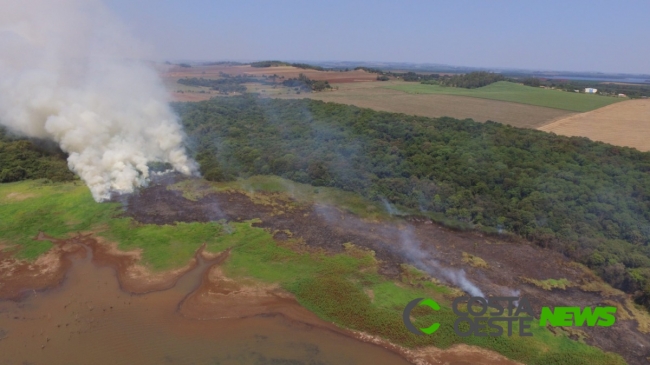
column 406, row 76
column 227, row 84
column 268, row 64
column 303, row 83
column 308, row 66
column 223, row 63
column 472, row 80
column 588, row 200
column 630, row 90
column 262, row 64
column 532, row 81
column 22, row 159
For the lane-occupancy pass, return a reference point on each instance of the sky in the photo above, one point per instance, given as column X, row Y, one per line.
column 604, row 36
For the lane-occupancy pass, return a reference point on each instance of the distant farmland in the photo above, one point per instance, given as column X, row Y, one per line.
column 172, row 73
column 516, row 93
column 375, row 95
column 623, row 124
column 213, row 72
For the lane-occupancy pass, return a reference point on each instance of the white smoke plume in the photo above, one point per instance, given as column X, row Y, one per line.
column 423, row 261
column 69, row 72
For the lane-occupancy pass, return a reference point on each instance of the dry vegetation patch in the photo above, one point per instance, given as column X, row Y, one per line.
column 548, row 284
column 15, row 196
column 474, row 261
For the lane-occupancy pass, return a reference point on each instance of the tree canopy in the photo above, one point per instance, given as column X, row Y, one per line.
column 22, row 159
column 589, row 200
column 472, row 80
column 303, row 83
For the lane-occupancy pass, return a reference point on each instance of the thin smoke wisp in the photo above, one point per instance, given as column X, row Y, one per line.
column 423, row 261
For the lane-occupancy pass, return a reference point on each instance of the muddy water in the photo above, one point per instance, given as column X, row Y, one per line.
column 90, row 320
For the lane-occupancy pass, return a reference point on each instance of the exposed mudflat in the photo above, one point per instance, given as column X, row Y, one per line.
column 326, row 227
column 91, row 319
column 89, row 309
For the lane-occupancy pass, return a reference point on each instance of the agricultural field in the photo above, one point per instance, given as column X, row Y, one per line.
column 170, row 74
column 623, row 124
column 177, row 72
column 375, row 95
column 516, row 93
column 503, row 102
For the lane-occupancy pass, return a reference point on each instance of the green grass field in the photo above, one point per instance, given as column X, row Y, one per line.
column 516, row 93
column 62, row 209
column 335, row 287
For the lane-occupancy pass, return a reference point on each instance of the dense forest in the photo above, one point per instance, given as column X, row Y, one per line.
column 22, row 159
column 471, row 80
column 588, row 200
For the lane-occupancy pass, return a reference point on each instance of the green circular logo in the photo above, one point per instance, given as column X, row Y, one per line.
column 406, row 316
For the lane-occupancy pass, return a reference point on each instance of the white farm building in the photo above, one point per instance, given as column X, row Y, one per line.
column 590, row 90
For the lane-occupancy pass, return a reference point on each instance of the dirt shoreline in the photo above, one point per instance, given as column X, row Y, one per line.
column 20, row 277
column 216, row 296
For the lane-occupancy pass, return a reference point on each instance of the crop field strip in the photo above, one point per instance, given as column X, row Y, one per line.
column 624, row 124
column 375, row 95
column 508, row 91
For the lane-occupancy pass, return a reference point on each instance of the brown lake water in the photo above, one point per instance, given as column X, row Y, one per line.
column 90, row 320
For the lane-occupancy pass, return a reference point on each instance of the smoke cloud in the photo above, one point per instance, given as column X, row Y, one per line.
column 71, row 73
column 423, row 261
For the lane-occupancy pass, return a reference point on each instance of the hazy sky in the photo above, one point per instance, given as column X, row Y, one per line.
column 609, row 36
